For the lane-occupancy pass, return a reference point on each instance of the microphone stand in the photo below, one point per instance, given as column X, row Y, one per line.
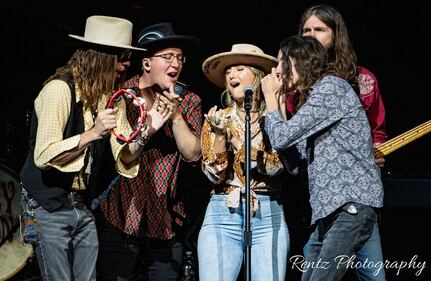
column 247, row 231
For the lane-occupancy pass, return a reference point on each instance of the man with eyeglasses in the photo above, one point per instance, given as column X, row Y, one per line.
column 140, row 217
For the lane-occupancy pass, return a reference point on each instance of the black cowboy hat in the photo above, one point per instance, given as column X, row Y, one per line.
column 161, row 35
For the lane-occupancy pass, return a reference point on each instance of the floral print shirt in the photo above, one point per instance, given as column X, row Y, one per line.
column 226, row 170
column 371, row 101
column 339, row 150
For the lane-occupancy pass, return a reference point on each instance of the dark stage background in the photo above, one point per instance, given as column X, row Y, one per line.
column 391, row 39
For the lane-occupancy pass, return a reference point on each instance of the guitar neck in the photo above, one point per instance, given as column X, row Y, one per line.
column 393, row 144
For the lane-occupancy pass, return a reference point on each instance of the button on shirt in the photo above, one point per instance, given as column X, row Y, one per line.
column 339, row 149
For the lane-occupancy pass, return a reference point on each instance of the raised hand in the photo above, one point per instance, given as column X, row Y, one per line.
column 171, row 99
column 271, row 86
column 158, row 115
column 105, row 121
column 217, row 120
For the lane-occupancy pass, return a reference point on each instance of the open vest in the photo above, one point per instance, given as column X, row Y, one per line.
column 49, row 187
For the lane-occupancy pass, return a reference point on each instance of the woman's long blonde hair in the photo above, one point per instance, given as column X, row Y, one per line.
column 258, row 100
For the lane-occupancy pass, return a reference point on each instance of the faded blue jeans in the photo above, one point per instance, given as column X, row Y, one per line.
column 333, row 244
column 221, row 241
column 368, row 258
column 68, row 243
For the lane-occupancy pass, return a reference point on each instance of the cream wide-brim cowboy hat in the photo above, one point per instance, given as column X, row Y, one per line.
column 240, row 54
column 108, row 31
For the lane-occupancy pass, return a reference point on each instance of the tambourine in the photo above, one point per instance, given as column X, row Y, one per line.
column 137, row 101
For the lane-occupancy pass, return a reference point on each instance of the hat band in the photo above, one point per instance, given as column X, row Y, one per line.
column 149, row 34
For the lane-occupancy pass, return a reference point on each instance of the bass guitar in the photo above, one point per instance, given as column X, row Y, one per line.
column 393, row 144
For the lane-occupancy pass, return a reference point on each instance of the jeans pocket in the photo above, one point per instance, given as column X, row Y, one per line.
column 369, row 222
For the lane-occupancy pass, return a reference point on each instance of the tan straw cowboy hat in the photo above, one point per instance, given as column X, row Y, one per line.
column 108, row 31
column 245, row 54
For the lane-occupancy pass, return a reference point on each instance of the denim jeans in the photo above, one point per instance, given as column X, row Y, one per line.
column 336, row 239
column 68, row 243
column 371, row 254
column 221, row 241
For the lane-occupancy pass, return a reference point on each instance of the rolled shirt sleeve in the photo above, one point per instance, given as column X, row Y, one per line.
column 52, row 108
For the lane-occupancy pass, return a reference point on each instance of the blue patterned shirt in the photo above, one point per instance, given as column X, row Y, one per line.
column 339, row 149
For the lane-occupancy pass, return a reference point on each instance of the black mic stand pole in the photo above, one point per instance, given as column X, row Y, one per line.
column 247, row 231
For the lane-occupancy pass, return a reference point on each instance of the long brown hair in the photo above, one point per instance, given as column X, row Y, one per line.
column 342, row 56
column 311, row 64
column 93, row 73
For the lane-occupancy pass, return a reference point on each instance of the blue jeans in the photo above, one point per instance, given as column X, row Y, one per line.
column 336, row 239
column 68, row 243
column 371, row 254
column 221, row 241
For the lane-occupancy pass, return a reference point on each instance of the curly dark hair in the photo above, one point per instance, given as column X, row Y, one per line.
column 311, row 64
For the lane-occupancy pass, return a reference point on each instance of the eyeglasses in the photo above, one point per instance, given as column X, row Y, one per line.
column 124, row 56
column 169, row 58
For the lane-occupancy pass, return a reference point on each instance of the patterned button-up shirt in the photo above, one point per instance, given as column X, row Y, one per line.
column 148, row 204
column 226, row 169
column 371, row 100
column 339, row 149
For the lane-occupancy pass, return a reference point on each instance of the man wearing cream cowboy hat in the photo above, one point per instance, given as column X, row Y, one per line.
column 69, row 118
column 220, row 242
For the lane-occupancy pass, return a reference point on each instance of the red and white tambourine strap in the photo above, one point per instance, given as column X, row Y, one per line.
column 137, row 101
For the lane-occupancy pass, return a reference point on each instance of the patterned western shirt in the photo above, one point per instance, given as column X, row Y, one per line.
column 226, row 169
column 371, row 100
column 339, row 149
column 148, row 205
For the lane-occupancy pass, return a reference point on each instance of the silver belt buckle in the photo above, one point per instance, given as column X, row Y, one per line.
column 71, row 197
column 350, row 208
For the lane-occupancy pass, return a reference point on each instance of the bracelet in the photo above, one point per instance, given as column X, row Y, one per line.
column 143, row 140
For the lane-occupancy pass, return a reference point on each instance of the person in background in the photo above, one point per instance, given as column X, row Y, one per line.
column 332, row 132
column 220, row 242
column 69, row 117
column 140, row 218
column 326, row 24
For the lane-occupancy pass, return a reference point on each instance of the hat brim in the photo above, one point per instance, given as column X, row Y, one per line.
column 107, row 43
column 184, row 42
column 214, row 66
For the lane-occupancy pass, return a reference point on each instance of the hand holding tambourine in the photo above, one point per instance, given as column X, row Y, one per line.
column 137, row 101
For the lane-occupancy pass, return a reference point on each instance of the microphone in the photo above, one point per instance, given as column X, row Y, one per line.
column 248, row 91
column 248, row 94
